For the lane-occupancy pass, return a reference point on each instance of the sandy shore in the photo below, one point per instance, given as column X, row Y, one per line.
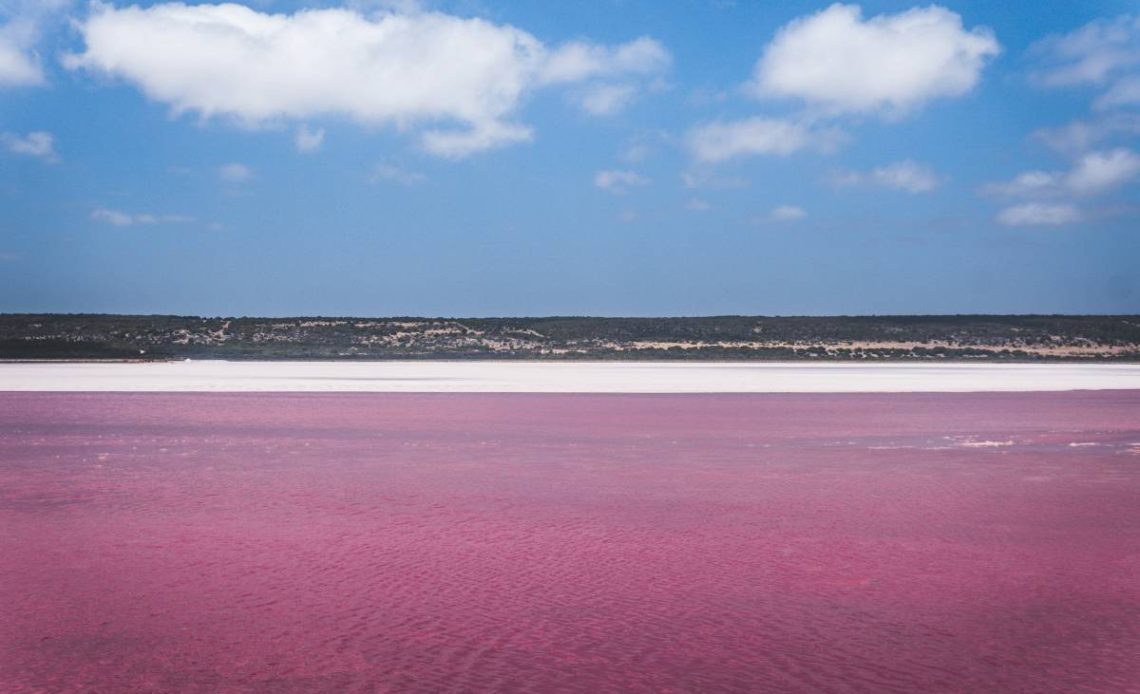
column 561, row 377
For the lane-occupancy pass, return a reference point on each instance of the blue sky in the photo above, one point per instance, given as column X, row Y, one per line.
column 630, row 157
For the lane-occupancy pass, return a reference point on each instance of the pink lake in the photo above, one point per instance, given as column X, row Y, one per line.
column 570, row 543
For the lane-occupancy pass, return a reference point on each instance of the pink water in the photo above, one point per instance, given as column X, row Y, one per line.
column 570, row 543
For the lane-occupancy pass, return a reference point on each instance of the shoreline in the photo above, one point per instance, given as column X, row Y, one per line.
column 535, row 376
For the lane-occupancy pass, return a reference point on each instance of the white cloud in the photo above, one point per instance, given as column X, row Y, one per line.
column 18, row 66
column 309, row 141
column 1093, row 173
column 697, row 205
column 1126, row 92
column 125, row 219
column 1104, row 53
column 619, row 182
column 722, row 140
column 1092, row 54
column 606, row 99
column 1077, row 137
column 456, row 144
column 1069, row 139
column 1029, row 183
column 36, row 144
column 841, row 63
column 579, row 61
column 704, row 178
column 1039, row 214
column 23, row 24
column 384, row 172
column 1099, row 172
column 787, row 213
column 906, row 175
column 113, row 217
column 837, row 63
column 235, row 173
column 637, row 151
column 645, row 144
column 462, row 79
column 405, row 6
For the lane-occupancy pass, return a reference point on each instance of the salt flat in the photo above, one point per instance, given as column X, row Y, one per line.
column 561, row 377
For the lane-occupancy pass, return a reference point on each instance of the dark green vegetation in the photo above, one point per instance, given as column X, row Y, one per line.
column 28, row 336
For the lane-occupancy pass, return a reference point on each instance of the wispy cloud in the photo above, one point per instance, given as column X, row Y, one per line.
column 1040, row 214
column 23, row 24
column 35, row 144
column 645, row 144
column 1104, row 53
column 787, row 213
column 1093, row 173
column 606, row 99
column 1100, row 172
column 907, row 176
column 705, row 178
column 720, row 141
column 235, row 173
column 18, row 68
column 118, row 218
column 389, row 173
column 309, row 141
column 619, row 182
column 1080, row 136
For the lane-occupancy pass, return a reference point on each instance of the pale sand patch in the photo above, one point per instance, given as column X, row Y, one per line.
column 563, row 377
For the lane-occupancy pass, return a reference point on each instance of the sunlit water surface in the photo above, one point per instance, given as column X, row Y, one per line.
column 580, row 543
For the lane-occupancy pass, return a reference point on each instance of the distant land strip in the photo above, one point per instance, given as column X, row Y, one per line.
column 737, row 338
